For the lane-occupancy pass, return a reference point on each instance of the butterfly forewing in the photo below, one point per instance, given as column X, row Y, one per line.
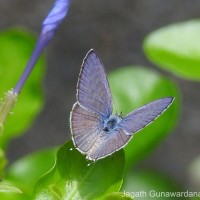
column 93, row 92
column 141, row 117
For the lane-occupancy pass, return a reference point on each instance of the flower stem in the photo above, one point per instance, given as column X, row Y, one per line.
column 6, row 107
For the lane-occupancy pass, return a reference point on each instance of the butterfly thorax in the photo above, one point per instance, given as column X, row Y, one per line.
column 111, row 123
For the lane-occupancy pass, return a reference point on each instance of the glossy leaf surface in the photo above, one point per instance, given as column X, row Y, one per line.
column 72, row 178
column 176, row 48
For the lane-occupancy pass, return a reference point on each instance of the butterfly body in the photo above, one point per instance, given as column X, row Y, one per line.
column 111, row 123
column 95, row 131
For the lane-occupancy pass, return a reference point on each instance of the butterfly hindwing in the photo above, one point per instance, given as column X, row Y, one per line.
column 85, row 127
column 89, row 137
column 109, row 144
column 133, row 122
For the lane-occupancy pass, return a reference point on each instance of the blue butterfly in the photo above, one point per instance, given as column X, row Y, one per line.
column 95, row 131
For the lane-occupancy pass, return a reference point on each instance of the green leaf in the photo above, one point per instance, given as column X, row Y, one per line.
column 133, row 87
column 6, row 187
column 118, row 196
column 8, row 191
column 176, row 48
column 72, row 178
column 16, row 48
column 3, row 162
column 14, row 196
column 147, row 185
column 26, row 172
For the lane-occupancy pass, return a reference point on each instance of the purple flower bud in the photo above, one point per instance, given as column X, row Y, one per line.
column 49, row 26
column 55, row 17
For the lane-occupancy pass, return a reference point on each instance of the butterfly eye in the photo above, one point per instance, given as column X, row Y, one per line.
column 106, row 129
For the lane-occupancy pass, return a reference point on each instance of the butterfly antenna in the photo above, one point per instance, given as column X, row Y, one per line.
column 120, row 114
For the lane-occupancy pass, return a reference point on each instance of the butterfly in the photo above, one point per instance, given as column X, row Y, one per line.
column 96, row 132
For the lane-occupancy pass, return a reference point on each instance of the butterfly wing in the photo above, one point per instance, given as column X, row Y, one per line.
column 133, row 122
column 89, row 137
column 108, row 144
column 141, row 117
column 94, row 103
column 93, row 91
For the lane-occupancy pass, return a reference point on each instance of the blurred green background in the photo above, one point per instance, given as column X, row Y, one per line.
column 116, row 30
